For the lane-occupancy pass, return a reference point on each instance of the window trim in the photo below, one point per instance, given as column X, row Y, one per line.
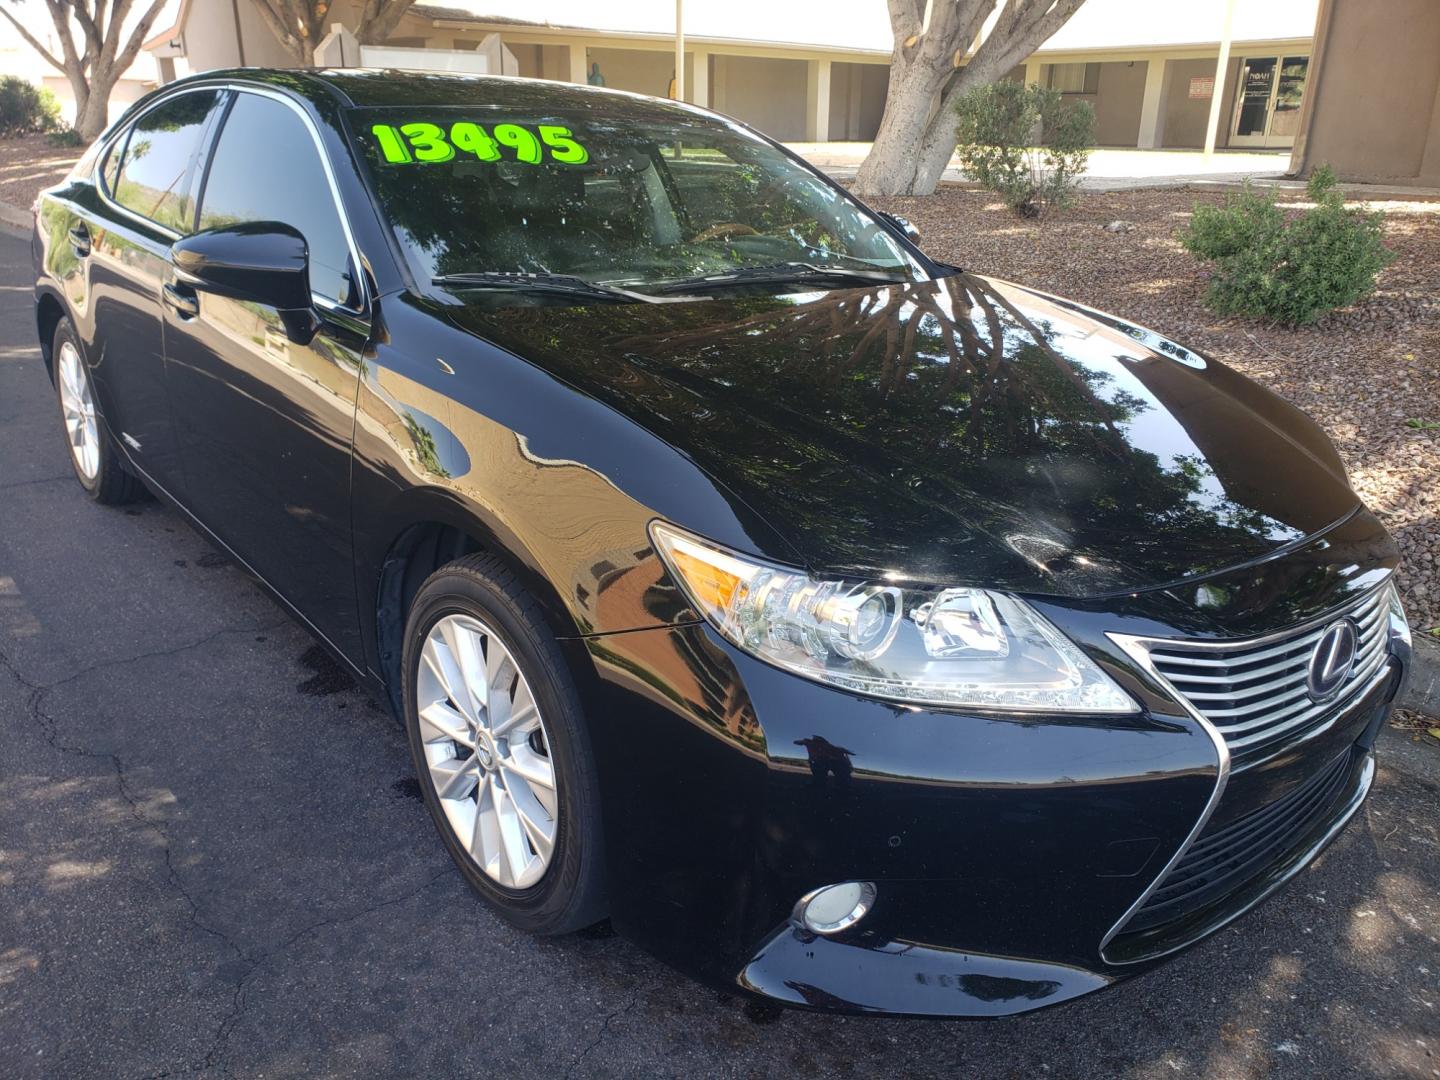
column 320, row 300
column 207, row 149
column 123, row 136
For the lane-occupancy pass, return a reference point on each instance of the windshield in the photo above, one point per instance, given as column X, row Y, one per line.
column 598, row 194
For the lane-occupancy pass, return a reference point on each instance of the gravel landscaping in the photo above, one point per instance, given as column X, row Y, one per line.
column 30, row 164
column 1362, row 372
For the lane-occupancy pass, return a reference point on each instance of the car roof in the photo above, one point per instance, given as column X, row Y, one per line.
column 378, row 87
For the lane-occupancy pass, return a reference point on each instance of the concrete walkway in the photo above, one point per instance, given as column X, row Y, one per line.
column 1110, row 170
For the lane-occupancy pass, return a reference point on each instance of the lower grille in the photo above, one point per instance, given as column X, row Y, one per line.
column 1254, row 691
column 1223, row 859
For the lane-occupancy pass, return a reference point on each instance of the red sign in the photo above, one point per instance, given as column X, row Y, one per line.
column 1202, row 86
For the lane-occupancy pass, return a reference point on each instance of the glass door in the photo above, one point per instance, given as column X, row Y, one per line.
column 1267, row 107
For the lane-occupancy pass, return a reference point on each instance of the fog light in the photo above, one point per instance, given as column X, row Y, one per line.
column 832, row 908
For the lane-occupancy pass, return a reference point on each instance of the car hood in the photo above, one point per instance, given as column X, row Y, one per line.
column 959, row 431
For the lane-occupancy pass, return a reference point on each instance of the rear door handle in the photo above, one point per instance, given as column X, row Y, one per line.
column 80, row 239
column 182, row 299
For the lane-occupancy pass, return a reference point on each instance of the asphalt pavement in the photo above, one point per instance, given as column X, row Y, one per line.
column 213, row 859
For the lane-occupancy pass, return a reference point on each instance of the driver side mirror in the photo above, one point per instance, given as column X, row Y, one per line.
column 263, row 262
column 909, row 231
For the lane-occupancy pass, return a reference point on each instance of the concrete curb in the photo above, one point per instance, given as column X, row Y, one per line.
column 1422, row 695
column 15, row 220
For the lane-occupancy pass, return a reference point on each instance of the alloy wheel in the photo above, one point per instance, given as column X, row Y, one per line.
column 79, row 409
column 487, row 751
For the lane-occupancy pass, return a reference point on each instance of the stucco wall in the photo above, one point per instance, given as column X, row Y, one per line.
column 210, row 40
column 857, row 100
column 1119, row 96
column 1185, row 117
column 1373, row 111
column 767, row 94
column 643, row 71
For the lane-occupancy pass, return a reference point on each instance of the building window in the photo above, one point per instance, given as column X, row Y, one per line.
column 1075, row 78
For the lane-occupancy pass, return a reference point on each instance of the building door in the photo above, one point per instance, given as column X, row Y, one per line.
column 1267, row 104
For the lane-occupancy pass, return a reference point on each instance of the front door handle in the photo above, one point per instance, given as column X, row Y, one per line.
column 79, row 237
column 182, row 299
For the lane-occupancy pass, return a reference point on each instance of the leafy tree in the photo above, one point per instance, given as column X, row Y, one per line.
column 95, row 50
column 930, row 72
column 997, row 126
column 299, row 25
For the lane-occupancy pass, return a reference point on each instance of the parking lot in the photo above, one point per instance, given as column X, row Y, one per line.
column 213, row 858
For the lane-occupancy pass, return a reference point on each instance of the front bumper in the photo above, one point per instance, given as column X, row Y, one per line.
column 1011, row 855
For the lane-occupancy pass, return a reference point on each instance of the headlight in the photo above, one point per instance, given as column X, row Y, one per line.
column 956, row 647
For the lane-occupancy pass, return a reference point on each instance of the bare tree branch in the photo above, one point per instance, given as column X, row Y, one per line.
column 31, row 41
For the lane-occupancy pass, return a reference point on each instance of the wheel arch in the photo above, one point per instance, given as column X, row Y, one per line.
column 427, row 529
column 49, row 311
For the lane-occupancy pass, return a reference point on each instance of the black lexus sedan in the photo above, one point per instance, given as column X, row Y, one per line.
column 853, row 631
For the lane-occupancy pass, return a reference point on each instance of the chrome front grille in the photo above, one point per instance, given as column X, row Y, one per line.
column 1255, row 691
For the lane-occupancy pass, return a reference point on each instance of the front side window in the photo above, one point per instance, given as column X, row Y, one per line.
column 266, row 167
column 154, row 178
column 617, row 194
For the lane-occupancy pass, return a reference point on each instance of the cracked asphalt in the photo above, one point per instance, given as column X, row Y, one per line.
column 213, row 860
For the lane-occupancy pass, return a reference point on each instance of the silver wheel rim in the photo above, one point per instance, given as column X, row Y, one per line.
column 79, row 409
column 487, row 751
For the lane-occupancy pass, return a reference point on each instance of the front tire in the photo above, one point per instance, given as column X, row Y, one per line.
column 499, row 741
column 94, row 456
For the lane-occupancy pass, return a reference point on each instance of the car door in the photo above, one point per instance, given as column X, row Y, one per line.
column 265, row 424
column 146, row 182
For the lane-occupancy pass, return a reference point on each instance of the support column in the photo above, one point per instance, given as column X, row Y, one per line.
column 717, row 95
column 1218, row 92
column 854, row 93
column 1033, row 72
column 579, row 69
column 700, row 78
column 817, row 101
column 1152, row 106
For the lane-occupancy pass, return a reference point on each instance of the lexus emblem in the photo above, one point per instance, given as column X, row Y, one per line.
column 1332, row 659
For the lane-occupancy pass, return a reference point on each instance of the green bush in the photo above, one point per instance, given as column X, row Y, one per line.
column 67, row 137
column 26, row 108
column 1291, row 269
column 998, row 144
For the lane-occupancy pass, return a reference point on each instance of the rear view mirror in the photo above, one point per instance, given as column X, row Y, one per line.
column 264, row 262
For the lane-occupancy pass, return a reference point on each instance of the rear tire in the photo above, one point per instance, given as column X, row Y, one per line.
column 97, row 461
column 501, row 747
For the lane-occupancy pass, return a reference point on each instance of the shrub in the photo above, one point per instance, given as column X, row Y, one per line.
column 67, row 137
column 1290, row 269
column 998, row 144
column 26, row 108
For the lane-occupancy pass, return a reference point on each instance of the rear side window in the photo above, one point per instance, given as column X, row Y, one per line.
column 266, row 167
column 159, row 163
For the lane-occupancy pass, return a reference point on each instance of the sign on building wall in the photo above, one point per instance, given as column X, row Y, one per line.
column 1202, row 87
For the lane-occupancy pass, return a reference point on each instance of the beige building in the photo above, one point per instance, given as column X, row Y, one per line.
column 1376, row 114
column 816, row 70
column 1149, row 69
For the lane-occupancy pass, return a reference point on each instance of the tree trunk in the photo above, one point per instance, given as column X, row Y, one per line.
column 890, row 167
column 929, row 72
column 92, row 113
